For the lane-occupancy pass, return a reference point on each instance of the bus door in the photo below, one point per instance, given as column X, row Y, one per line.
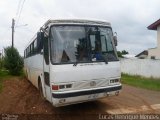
column 46, row 69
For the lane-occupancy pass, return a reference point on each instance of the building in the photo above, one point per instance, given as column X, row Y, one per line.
column 154, row 53
column 142, row 55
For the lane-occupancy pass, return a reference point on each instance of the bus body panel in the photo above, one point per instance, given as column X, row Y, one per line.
column 84, row 72
column 34, row 68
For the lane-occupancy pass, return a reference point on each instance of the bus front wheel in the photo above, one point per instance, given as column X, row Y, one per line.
column 40, row 89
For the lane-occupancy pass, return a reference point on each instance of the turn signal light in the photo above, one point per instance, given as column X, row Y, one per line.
column 55, row 87
column 59, row 87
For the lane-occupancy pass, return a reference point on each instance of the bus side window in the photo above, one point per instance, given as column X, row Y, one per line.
column 24, row 54
column 32, row 48
column 35, row 46
column 27, row 51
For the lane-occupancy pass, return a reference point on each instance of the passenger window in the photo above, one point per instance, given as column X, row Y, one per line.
column 29, row 50
column 35, row 46
column 32, row 48
column 24, row 54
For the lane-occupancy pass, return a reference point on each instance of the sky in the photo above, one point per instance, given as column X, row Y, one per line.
column 129, row 18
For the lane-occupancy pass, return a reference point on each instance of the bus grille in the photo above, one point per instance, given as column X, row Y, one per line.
column 91, row 84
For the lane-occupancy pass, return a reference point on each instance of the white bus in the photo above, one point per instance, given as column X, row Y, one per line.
column 73, row 61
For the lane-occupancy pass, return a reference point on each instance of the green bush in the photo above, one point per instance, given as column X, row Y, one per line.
column 1, row 63
column 13, row 62
column 121, row 53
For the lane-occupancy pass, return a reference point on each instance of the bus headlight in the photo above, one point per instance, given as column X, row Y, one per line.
column 59, row 87
column 114, row 80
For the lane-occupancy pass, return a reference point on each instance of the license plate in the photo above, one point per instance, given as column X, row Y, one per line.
column 93, row 96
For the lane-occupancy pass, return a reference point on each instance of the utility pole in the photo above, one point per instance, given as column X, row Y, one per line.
column 13, row 24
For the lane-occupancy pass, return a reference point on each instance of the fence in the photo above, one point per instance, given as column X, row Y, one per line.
column 143, row 67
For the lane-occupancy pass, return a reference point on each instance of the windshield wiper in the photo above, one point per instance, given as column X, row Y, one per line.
column 75, row 64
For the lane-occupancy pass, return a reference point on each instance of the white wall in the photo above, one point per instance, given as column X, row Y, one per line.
column 143, row 67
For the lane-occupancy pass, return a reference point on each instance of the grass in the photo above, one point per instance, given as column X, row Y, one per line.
column 4, row 73
column 142, row 82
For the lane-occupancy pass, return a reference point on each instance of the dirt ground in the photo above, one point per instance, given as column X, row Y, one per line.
column 20, row 97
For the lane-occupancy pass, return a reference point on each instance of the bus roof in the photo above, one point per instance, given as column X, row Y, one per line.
column 77, row 21
column 73, row 21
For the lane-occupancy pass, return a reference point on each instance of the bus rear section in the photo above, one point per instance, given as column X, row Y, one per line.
column 80, row 61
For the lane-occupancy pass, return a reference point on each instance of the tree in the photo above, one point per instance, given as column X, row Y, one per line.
column 124, row 52
column 13, row 61
column 121, row 53
column 1, row 63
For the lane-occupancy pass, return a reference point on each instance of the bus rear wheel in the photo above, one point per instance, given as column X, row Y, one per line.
column 27, row 77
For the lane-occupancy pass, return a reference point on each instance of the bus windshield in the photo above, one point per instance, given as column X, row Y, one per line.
column 70, row 44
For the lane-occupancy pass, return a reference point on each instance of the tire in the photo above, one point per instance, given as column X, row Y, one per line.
column 41, row 90
column 27, row 77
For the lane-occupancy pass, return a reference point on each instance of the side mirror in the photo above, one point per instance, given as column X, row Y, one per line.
column 115, row 39
column 40, row 38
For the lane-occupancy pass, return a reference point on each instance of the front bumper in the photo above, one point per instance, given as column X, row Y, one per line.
column 71, row 97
